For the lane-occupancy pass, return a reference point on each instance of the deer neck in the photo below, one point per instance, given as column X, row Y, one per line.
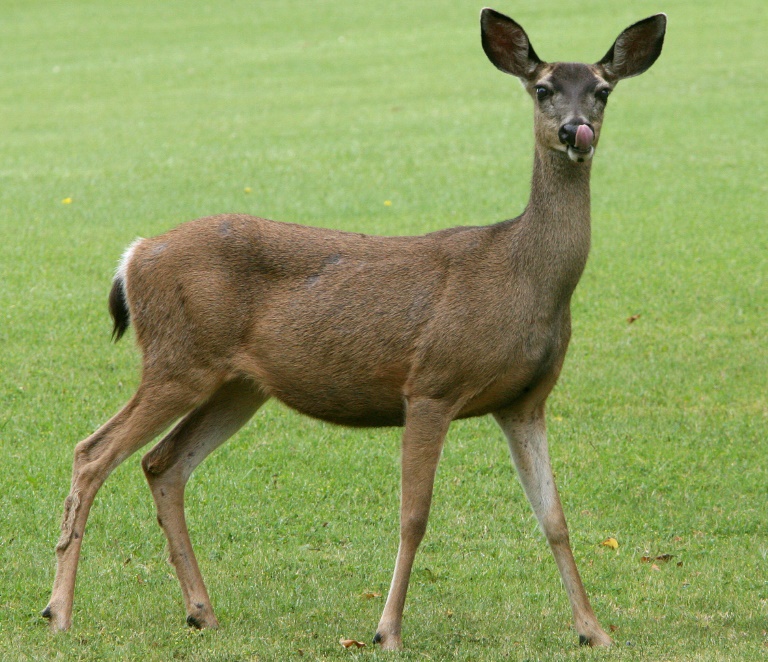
column 556, row 223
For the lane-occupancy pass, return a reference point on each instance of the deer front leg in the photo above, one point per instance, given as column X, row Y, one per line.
column 527, row 437
column 426, row 424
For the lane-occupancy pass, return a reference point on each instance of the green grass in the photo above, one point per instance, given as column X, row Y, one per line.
column 146, row 114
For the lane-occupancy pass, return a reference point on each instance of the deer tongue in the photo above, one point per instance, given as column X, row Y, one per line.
column 584, row 138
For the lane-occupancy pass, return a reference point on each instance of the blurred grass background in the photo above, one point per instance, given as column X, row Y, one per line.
column 142, row 115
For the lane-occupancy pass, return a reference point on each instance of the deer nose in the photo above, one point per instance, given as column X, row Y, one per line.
column 577, row 135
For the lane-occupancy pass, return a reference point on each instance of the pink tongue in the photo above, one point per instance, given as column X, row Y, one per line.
column 584, row 137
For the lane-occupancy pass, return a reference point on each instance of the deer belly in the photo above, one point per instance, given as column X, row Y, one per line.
column 357, row 407
column 360, row 399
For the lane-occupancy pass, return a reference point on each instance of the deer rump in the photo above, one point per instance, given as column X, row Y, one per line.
column 340, row 326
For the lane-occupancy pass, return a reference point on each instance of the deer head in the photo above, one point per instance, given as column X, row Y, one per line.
column 570, row 97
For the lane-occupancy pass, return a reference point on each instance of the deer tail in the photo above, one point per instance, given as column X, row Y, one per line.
column 118, row 308
column 118, row 298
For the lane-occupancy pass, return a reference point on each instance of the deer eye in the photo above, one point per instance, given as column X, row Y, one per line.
column 542, row 92
column 602, row 95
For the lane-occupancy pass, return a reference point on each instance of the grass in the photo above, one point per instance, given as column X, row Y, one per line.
column 146, row 114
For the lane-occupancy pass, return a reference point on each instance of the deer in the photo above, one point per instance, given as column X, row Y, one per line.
column 365, row 331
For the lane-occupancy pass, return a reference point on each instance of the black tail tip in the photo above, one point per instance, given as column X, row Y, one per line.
column 118, row 308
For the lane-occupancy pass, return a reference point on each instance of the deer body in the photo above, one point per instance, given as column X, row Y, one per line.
column 364, row 331
column 407, row 309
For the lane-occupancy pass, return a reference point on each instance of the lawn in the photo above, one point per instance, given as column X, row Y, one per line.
column 123, row 119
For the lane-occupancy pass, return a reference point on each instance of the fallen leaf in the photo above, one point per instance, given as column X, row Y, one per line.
column 655, row 567
column 348, row 643
column 369, row 596
column 610, row 542
column 613, row 628
column 633, row 318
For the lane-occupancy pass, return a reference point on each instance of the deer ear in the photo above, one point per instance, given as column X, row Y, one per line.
column 506, row 45
column 635, row 49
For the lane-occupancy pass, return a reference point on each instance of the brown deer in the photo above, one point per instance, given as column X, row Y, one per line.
column 362, row 330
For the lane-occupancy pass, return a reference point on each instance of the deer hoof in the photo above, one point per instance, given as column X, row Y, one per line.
column 56, row 622
column 599, row 638
column 388, row 643
column 202, row 620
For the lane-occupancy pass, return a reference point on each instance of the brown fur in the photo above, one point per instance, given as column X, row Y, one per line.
column 365, row 331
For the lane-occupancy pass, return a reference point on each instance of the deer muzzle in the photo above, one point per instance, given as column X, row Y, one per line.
column 578, row 139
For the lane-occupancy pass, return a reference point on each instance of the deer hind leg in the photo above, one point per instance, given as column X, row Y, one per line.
column 527, row 439
column 426, row 424
column 168, row 466
column 152, row 409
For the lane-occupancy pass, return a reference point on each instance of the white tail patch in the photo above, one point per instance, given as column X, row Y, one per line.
column 121, row 272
